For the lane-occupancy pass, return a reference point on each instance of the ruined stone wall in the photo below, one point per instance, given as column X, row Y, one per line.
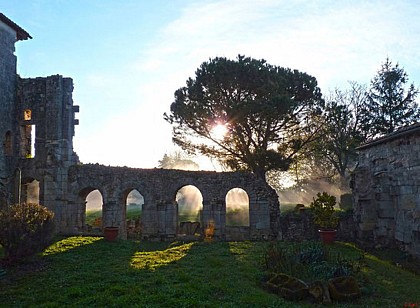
column 386, row 189
column 7, row 100
column 159, row 188
column 44, row 107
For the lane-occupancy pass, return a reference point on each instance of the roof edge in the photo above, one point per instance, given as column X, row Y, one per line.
column 21, row 34
column 409, row 130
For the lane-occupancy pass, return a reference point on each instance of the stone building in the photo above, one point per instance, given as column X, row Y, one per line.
column 38, row 164
column 386, row 189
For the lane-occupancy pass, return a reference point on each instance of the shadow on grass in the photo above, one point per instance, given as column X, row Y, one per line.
column 93, row 272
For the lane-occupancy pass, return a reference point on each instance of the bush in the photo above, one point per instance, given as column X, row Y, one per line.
column 310, row 261
column 26, row 229
column 324, row 213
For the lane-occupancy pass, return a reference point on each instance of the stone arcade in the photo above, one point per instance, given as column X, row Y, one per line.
column 37, row 119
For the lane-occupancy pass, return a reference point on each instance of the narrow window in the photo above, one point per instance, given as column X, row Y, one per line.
column 28, row 141
column 8, row 149
column 27, row 114
column 33, row 134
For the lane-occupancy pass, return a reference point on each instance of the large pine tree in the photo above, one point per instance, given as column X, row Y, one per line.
column 390, row 105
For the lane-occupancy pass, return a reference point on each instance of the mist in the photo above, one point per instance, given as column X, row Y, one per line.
column 190, row 202
column 305, row 194
column 237, row 207
column 94, row 201
column 134, row 197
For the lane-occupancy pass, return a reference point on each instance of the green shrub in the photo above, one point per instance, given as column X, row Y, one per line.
column 324, row 213
column 26, row 229
column 310, row 261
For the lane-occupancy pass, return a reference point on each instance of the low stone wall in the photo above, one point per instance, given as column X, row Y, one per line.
column 298, row 226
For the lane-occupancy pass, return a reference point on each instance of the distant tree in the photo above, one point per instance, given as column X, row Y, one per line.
column 342, row 130
column 389, row 105
column 266, row 111
column 177, row 160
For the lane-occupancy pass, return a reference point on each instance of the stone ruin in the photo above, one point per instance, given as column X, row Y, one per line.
column 386, row 190
column 38, row 164
column 37, row 119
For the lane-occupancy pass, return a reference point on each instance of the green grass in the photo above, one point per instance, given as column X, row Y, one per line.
column 90, row 272
column 133, row 212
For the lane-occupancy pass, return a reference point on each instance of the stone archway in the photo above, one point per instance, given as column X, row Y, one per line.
column 133, row 201
column 90, row 210
column 189, row 202
column 237, row 208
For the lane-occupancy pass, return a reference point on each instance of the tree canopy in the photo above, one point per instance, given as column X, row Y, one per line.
column 177, row 160
column 265, row 110
column 389, row 104
column 341, row 132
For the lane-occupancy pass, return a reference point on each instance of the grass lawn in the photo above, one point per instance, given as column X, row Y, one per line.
column 89, row 272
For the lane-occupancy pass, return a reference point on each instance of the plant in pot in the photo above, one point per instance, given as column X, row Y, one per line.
column 324, row 216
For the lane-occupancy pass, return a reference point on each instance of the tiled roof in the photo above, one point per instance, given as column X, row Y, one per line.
column 408, row 130
column 20, row 33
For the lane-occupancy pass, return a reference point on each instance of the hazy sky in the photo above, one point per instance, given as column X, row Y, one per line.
column 128, row 57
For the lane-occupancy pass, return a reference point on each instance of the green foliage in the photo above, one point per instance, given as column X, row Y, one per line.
column 177, row 160
column 310, row 261
column 390, row 105
column 341, row 132
column 323, row 211
column 266, row 111
column 26, row 229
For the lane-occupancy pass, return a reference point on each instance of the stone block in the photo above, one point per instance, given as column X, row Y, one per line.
column 388, row 212
column 407, row 202
column 367, row 226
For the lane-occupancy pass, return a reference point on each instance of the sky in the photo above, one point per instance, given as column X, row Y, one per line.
column 127, row 58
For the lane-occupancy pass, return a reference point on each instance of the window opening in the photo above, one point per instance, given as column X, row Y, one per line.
column 27, row 114
column 8, row 149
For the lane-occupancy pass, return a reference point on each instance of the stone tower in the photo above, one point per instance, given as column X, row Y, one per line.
column 10, row 33
column 37, row 119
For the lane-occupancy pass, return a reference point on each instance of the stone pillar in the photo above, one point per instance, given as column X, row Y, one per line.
column 259, row 218
column 171, row 219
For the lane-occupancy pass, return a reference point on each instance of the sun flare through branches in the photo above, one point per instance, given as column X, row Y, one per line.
column 219, row 131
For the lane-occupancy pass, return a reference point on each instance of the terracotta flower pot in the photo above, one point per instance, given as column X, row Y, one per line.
column 327, row 236
column 111, row 233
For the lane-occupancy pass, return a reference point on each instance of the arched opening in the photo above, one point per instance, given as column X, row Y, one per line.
column 133, row 211
column 190, row 205
column 30, row 191
column 93, row 211
column 8, row 144
column 237, row 208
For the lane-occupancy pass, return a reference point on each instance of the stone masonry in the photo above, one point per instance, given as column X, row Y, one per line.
column 386, row 189
column 37, row 119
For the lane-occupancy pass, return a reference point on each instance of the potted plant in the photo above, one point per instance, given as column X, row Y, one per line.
column 324, row 216
column 111, row 233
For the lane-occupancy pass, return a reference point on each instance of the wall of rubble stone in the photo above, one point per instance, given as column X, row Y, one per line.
column 386, row 189
column 159, row 188
column 298, row 225
column 7, row 99
column 41, row 109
